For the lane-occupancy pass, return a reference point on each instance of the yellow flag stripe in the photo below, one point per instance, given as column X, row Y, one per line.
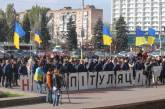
column 140, row 41
column 37, row 39
column 16, row 40
column 107, row 40
column 151, row 40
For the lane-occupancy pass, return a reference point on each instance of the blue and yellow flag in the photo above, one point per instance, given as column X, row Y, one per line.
column 140, row 39
column 107, row 39
column 151, row 36
column 18, row 33
column 37, row 38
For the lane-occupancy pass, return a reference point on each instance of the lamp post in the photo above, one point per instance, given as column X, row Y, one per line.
column 82, row 29
column 160, row 26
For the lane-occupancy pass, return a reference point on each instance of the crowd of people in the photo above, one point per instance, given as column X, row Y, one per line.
column 50, row 70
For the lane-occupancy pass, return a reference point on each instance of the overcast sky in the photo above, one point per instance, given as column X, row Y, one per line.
column 21, row 5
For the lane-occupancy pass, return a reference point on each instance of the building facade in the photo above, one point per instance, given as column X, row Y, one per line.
column 60, row 19
column 143, row 13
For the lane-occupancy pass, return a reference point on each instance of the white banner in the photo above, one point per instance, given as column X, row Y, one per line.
column 92, row 79
column 107, row 79
column 102, row 80
column 157, row 71
column 156, row 74
column 73, row 81
column 82, row 77
column 110, row 79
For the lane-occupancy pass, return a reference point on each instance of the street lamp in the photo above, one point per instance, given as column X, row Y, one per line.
column 82, row 30
column 160, row 26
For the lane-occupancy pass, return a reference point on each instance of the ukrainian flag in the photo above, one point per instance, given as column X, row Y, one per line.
column 19, row 32
column 140, row 39
column 107, row 39
column 151, row 34
column 37, row 38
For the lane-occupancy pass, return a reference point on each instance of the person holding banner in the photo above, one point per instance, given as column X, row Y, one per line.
column 162, row 74
column 57, row 80
column 148, row 72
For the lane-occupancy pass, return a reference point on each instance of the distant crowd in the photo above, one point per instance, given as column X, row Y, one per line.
column 49, row 70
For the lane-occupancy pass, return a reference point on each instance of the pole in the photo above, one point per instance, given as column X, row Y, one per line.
column 110, row 50
column 160, row 26
column 82, row 31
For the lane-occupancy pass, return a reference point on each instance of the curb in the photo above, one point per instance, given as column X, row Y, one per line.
column 22, row 101
column 155, row 104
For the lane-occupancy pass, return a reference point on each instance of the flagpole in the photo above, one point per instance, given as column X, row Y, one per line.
column 110, row 50
column 160, row 26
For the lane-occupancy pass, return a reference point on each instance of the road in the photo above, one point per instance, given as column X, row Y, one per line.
column 101, row 98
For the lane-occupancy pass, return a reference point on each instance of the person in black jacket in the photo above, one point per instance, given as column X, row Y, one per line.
column 148, row 72
column 34, row 66
column 1, row 71
column 108, row 66
column 162, row 74
column 70, row 67
column 81, row 67
column 90, row 66
column 125, row 65
column 98, row 66
column 22, row 70
column 3, row 74
column 8, row 73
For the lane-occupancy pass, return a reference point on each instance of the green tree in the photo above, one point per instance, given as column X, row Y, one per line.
column 3, row 25
column 71, row 34
column 26, row 27
column 44, row 27
column 121, row 38
column 38, row 22
column 97, row 39
column 10, row 17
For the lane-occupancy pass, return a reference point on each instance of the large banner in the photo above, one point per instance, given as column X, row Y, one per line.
column 108, row 79
column 92, row 80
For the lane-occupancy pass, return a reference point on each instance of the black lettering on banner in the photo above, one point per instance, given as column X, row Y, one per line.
column 92, row 76
column 128, row 78
column 101, row 79
column 110, row 79
column 120, row 78
column 75, row 81
column 139, row 78
column 82, row 80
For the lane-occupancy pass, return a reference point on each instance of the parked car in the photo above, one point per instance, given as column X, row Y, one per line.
column 58, row 49
column 122, row 53
column 75, row 53
column 156, row 53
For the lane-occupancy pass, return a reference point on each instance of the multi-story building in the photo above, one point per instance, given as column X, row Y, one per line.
column 88, row 21
column 143, row 13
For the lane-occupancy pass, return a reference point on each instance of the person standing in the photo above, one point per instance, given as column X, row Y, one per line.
column 148, row 72
column 49, row 84
column 8, row 74
column 57, row 79
column 38, row 77
column 1, row 72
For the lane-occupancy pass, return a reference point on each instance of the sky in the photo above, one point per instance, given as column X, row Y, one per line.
column 22, row 5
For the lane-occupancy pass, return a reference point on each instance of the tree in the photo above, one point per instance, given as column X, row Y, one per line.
column 38, row 22
column 11, row 18
column 121, row 34
column 44, row 27
column 97, row 39
column 3, row 25
column 71, row 34
column 26, row 27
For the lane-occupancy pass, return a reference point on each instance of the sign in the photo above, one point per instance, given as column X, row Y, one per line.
column 82, row 77
column 92, row 80
column 73, row 81
column 108, row 79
